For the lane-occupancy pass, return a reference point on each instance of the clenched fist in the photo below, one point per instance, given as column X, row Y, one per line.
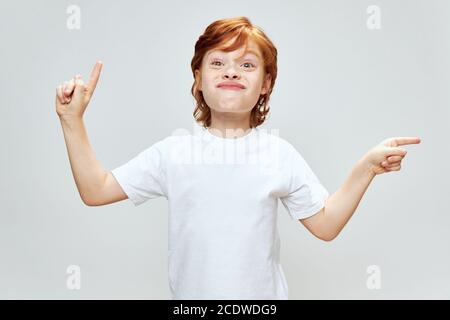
column 74, row 95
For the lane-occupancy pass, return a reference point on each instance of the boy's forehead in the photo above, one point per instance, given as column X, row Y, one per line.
column 251, row 49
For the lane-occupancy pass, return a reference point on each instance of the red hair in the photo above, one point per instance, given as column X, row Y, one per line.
column 214, row 37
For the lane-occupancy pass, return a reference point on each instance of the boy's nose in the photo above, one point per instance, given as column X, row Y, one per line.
column 233, row 75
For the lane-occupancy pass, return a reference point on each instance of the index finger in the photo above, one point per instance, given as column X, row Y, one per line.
column 95, row 74
column 407, row 140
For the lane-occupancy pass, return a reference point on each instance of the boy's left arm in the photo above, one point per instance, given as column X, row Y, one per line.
column 340, row 206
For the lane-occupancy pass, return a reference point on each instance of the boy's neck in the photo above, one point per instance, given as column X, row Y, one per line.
column 229, row 125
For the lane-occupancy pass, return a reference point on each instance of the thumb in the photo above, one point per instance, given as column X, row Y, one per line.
column 79, row 91
column 80, row 87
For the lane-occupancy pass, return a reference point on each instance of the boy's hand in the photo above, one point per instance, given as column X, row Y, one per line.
column 73, row 96
column 387, row 156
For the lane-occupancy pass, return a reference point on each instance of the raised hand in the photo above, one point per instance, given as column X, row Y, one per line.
column 387, row 156
column 74, row 95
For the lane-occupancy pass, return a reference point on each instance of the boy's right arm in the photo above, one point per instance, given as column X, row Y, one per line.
column 96, row 186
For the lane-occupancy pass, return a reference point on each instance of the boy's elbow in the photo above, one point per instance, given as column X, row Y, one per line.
column 88, row 202
column 327, row 238
column 92, row 204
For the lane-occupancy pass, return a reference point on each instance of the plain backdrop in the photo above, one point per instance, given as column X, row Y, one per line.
column 341, row 89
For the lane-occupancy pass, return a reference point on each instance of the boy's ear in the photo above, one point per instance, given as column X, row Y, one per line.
column 266, row 83
column 198, row 82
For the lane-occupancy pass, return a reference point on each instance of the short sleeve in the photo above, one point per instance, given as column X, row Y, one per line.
column 306, row 194
column 141, row 178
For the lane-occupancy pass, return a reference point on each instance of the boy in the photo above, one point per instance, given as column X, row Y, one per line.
column 223, row 240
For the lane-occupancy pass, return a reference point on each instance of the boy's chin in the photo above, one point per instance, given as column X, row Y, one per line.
column 232, row 108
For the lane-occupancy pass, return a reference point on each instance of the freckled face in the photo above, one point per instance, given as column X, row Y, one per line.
column 248, row 71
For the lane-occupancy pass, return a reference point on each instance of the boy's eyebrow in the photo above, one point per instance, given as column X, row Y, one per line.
column 247, row 53
column 253, row 52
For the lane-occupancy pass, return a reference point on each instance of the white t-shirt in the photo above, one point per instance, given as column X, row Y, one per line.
column 223, row 197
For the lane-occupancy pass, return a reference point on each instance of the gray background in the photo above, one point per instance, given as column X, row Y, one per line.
column 341, row 89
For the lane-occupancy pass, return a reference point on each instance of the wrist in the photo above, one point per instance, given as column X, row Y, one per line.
column 366, row 167
column 70, row 119
column 71, row 122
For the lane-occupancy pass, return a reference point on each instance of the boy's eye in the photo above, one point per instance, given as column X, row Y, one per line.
column 217, row 61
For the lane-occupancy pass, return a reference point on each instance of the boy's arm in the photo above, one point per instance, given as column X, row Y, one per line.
column 95, row 185
column 87, row 171
column 341, row 205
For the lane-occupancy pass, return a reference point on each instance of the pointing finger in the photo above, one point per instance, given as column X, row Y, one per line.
column 407, row 140
column 95, row 74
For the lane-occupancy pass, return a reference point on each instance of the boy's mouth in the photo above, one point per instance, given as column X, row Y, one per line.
column 231, row 85
column 231, row 88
